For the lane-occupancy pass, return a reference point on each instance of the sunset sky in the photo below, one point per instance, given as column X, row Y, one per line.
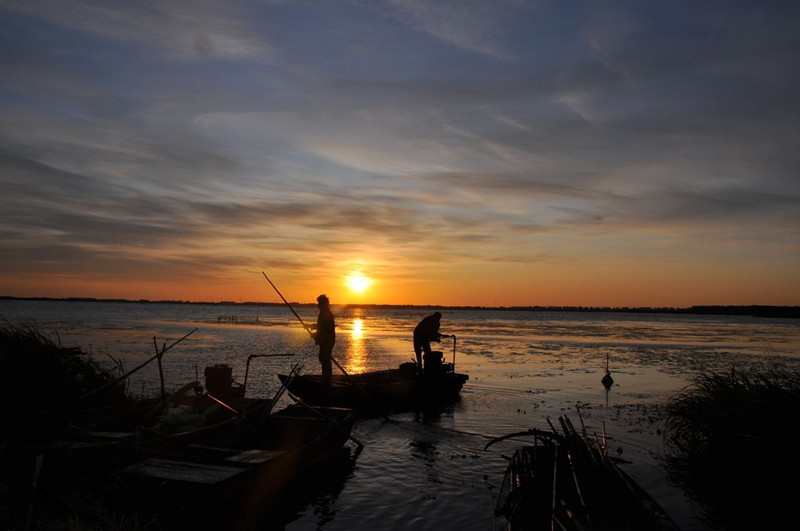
column 619, row 153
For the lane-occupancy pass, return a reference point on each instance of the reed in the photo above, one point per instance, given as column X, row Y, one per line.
column 41, row 381
column 43, row 385
column 731, row 442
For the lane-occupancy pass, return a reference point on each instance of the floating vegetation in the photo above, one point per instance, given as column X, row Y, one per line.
column 731, row 442
column 232, row 318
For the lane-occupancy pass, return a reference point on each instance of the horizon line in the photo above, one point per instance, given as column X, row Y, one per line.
column 782, row 310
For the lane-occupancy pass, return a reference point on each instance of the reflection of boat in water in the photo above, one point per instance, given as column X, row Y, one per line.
column 401, row 389
column 567, row 481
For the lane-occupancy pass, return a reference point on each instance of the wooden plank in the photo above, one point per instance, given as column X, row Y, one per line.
column 113, row 435
column 185, row 471
column 255, row 456
column 213, row 449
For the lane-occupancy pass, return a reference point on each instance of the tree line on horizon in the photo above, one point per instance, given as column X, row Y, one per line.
column 753, row 310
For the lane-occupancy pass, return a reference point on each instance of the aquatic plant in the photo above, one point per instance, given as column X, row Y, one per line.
column 44, row 386
column 42, row 382
column 730, row 441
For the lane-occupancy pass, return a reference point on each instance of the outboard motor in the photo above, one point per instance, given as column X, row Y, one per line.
column 219, row 381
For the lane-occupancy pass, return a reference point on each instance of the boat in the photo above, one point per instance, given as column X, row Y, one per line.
column 271, row 449
column 568, row 481
column 249, row 473
column 147, row 426
column 241, row 433
column 198, row 443
column 193, row 417
column 401, row 389
column 246, row 466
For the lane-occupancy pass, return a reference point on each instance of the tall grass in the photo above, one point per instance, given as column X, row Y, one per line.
column 42, row 385
column 732, row 442
column 41, row 382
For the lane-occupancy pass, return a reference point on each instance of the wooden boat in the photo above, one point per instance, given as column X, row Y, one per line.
column 247, row 473
column 567, row 481
column 194, row 415
column 401, row 389
column 246, row 466
column 213, row 437
column 153, row 425
column 279, row 445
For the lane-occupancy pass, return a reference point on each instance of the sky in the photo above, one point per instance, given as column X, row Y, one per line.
column 464, row 152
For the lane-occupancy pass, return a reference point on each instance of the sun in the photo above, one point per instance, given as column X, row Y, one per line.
column 357, row 282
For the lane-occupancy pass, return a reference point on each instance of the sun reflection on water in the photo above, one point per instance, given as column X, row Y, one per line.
column 356, row 360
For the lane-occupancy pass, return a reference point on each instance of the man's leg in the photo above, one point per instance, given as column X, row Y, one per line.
column 426, row 347
column 325, row 354
column 418, row 352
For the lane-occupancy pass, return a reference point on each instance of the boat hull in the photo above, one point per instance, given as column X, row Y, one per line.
column 378, row 391
column 249, row 471
column 278, row 446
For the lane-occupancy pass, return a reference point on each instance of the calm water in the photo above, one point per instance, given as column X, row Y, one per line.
column 524, row 367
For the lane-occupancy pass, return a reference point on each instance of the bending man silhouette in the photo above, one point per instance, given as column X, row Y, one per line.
column 426, row 331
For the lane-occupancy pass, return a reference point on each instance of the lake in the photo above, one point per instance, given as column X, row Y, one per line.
column 432, row 472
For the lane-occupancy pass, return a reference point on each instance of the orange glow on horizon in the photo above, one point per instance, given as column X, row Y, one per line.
column 617, row 284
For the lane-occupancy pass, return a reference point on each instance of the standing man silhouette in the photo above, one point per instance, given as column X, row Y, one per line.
column 324, row 334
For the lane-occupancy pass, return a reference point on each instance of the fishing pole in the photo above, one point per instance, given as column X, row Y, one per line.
column 287, row 304
column 301, row 320
column 350, row 379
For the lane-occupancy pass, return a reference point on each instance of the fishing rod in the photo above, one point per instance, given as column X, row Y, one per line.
column 308, row 329
column 355, row 383
column 289, row 305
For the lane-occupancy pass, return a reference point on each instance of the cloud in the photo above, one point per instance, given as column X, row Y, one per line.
column 473, row 25
column 182, row 30
column 214, row 137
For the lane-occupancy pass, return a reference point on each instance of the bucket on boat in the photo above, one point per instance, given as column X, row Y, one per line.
column 433, row 362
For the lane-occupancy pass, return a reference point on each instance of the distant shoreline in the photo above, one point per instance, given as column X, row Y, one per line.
column 752, row 310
